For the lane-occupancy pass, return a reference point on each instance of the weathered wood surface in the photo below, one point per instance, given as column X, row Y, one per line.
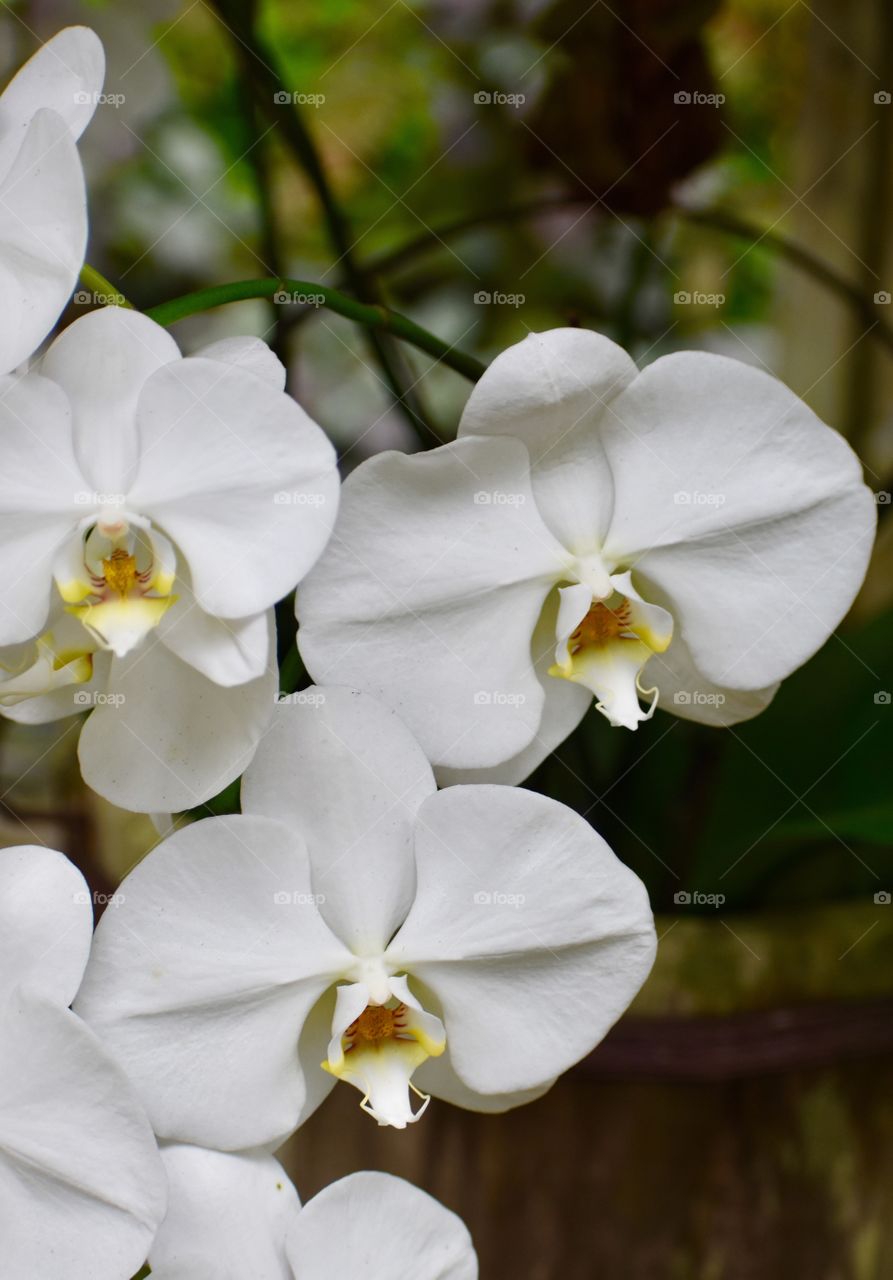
column 738, row 1125
column 765, row 1178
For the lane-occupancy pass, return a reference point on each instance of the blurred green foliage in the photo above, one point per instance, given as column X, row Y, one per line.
column 793, row 806
column 575, row 200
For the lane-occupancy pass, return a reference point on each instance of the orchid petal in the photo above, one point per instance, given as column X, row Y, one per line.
column 551, row 390
column 241, row 479
column 82, row 1189
column 345, row 772
column 739, row 511
column 65, row 75
column 38, row 510
column 165, row 737
column 201, row 980
column 43, row 233
column 685, row 691
column 251, row 354
column 564, row 706
column 381, row 1228
column 429, row 593
column 438, row 1078
column 531, row 934
column 754, row 604
column 228, row 651
column 228, row 1216
column 102, row 362
column 46, row 923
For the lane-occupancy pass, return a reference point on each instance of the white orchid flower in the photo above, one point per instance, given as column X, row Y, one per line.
column 43, row 205
column 152, row 510
column 82, row 1188
column 232, row 1216
column 471, row 943
column 685, row 536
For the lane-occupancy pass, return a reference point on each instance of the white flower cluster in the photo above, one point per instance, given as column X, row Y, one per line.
column 469, row 943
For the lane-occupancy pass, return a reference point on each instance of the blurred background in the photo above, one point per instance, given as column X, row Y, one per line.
column 674, row 174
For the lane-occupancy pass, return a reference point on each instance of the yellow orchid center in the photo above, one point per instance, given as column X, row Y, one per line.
column 604, row 646
column 376, row 1022
column 119, row 572
column 378, row 1051
column 116, row 580
column 600, row 625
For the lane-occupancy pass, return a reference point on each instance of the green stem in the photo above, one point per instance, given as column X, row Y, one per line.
column 97, row 283
column 379, row 319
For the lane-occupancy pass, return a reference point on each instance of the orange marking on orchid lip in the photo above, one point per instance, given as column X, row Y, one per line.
column 376, row 1023
column 120, row 571
column 600, row 625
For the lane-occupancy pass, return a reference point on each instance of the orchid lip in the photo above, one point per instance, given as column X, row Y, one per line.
column 50, row 669
column 605, row 643
column 377, row 1045
column 115, row 576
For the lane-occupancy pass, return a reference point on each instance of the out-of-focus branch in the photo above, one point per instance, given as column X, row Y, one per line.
column 270, row 93
column 714, row 219
column 257, row 157
column 872, row 232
